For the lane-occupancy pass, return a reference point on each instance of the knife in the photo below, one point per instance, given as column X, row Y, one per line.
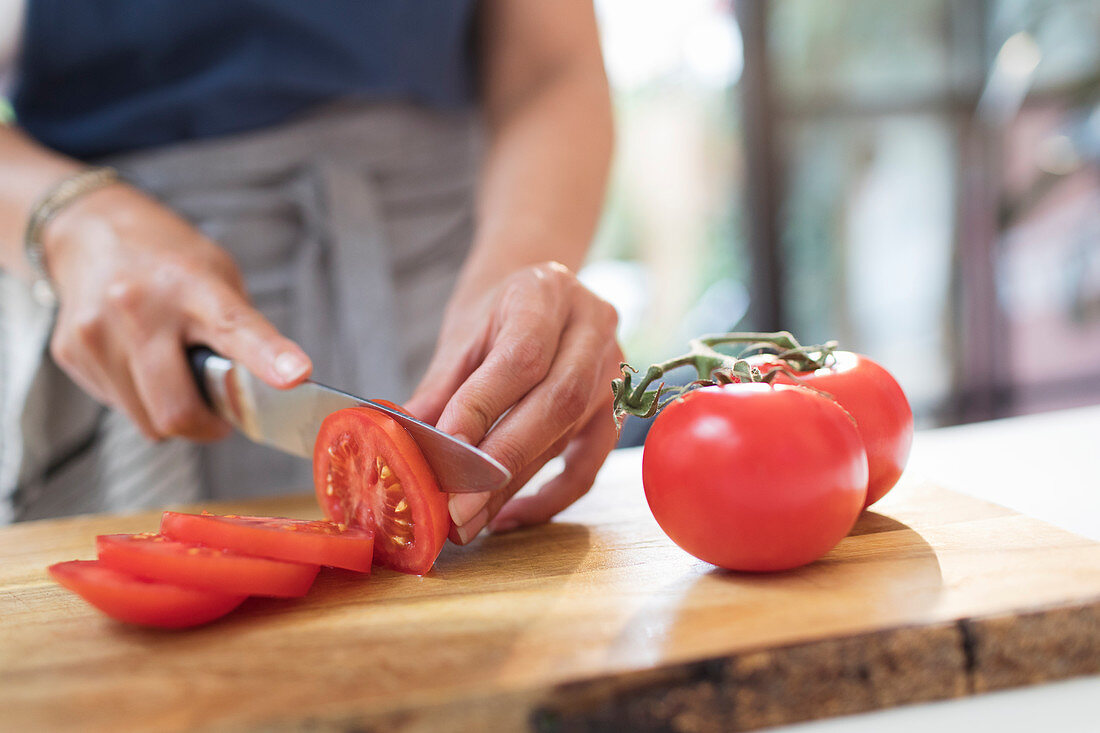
column 289, row 420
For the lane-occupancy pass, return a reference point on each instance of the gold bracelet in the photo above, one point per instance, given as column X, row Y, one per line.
column 56, row 199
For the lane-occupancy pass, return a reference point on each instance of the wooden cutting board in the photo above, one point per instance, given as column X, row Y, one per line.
column 594, row 622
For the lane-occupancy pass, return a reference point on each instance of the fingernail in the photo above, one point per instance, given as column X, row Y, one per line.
column 291, row 365
column 506, row 525
column 464, row 507
column 471, row 529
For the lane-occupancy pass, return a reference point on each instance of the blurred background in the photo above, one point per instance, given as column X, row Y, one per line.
column 920, row 181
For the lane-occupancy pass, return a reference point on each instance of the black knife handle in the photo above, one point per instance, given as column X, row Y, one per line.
column 196, row 358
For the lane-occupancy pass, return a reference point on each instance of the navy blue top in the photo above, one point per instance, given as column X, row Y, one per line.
column 102, row 76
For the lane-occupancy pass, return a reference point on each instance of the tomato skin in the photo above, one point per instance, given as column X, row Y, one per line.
column 206, row 568
column 351, row 489
column 149, row 603
column 754, row 477
column 279, row 538
column 876, row 401
column 393, row 406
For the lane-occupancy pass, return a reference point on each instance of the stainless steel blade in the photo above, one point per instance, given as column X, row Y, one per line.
column 289, row 419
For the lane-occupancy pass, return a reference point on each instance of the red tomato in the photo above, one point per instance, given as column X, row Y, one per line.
column 754, row 477
column 148, row 602
column 206, row 568
column 368, row 472
column 875, row 400
column 296, row 540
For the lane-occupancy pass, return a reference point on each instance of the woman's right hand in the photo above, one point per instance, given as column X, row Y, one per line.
column 136, row 285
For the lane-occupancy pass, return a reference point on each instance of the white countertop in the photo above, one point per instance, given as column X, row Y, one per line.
column 1046, row 466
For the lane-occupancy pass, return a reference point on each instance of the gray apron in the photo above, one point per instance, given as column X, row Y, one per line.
column 350, row 227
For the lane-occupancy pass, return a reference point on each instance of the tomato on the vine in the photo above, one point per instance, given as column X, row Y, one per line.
column 754, row 477
column 368, row 472
column 875, row 401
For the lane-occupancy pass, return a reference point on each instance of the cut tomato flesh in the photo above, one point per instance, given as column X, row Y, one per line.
column 296, row 540
column 134, row 600
column 156, row 557
column 368, row 472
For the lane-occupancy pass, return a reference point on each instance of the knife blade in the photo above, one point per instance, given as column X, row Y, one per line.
column 289, row 420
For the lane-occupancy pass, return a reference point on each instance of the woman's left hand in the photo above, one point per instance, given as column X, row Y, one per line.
column 525, row 374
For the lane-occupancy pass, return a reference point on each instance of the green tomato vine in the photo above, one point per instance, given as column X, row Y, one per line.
column 714, row 367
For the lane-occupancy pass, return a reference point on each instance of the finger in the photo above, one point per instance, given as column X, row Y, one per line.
column 470, row 513
column 165, row 385
column 125, row 398
column 558, row 403
column 91, row 359
column 602, row 395
column 85, row 373
column 224, row 320
column 445, row 374
column 521, row 356
column 583, row 458
column 600, row 405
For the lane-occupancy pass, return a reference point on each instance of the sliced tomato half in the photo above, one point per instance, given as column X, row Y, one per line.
column 156, row 557
column 297, row 540
column 368, row 472
column 125, row 597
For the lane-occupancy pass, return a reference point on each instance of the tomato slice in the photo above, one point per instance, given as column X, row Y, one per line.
column 368, row 472
column 296, row 540
column 134, row 600
column 156, row 557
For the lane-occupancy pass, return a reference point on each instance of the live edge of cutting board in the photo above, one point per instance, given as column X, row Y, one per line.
column 594, row 622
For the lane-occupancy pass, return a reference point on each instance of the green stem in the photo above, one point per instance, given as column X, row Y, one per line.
column 713, row 367
column 784, row 345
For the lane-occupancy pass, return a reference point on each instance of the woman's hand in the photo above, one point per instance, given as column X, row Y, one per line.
column 136, row 285
column 525, row 374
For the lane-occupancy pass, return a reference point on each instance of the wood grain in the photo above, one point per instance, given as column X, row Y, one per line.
column 595, row 622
